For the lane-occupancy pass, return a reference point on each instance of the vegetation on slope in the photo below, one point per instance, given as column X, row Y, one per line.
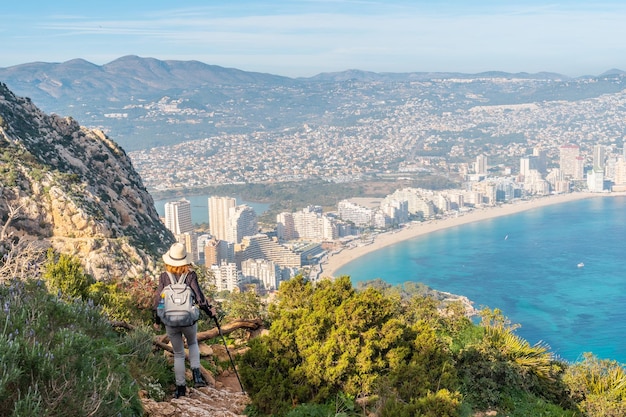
column 331, row 349
column 60, row 354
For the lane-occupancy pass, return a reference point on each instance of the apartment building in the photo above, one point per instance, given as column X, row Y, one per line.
column 226, row 276
column 260, row 246
column 242, row 221
column 219, row 209
column 178, row 216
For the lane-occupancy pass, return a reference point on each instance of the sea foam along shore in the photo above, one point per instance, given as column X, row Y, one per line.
column 411, row 230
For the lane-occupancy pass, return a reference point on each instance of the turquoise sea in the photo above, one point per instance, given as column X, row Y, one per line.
column 527, row 265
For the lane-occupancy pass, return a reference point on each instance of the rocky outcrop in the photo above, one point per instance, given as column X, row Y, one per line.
column 77, row 190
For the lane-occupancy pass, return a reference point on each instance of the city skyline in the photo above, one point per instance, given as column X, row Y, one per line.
column 305, row 38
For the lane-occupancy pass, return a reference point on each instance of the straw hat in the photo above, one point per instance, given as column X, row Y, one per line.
column 177, row 255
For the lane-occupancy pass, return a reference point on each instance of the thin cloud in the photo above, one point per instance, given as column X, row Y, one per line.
column 370, row 35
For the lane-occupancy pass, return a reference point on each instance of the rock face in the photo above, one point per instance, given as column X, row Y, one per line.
column 75, row 189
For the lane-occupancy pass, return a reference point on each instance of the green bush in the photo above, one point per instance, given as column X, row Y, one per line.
column 500, row 367
column 311, row 410
column 65, row 273
column 151, row 370
column 443, row 403
column 524, row 405
column 60, row 358
column 598, row 386
column 331, row 339
column 129, row 301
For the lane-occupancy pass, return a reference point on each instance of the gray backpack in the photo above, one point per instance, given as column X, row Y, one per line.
column 177, row 307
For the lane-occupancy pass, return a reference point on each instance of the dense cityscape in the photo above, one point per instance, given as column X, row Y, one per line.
column 499, row 153
column 412, row 135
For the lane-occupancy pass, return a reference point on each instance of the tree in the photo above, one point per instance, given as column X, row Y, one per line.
column 65, row 273
column 244, row 305
column 330, row 339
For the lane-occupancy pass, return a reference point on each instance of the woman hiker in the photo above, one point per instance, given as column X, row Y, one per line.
column 178, row 263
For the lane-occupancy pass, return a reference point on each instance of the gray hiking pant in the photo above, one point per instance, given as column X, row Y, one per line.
column 176, row 338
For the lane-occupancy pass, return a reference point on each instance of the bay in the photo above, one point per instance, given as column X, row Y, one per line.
column 527, row 265
column 200, row 207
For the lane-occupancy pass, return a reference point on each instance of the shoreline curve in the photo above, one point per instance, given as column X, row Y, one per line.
column 337, row 260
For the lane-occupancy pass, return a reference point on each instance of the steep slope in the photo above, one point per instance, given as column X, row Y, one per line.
column 75, row 189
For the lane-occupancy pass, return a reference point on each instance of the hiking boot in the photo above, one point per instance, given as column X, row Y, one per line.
column 181, row 390
column 198, row 379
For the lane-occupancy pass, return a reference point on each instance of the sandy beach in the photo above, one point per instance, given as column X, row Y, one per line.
column 412, row 230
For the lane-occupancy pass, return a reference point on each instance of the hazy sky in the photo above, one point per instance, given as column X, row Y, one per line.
column 306, row 37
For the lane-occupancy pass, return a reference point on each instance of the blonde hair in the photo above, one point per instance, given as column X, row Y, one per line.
column 178, row 270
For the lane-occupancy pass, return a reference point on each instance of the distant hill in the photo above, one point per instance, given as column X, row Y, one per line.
column 145, row 77
column 122, row 78
column 146, row 102
column 358, row 75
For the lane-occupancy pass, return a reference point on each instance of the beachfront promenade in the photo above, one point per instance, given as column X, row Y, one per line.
column 335, row 261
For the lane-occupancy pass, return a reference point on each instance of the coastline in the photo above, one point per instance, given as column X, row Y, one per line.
column 337, row 260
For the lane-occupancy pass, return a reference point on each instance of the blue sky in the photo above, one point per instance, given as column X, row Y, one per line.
column 307, row 37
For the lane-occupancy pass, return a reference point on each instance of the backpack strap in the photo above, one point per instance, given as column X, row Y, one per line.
column 181, row 279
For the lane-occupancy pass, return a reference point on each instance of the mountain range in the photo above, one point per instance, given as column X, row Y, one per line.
column 136, row 76
column 145, row 102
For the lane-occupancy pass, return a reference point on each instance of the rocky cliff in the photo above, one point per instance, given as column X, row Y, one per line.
column 76, row 190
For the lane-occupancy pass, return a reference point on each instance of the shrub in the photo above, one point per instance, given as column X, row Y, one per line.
column 330, row 338
column 129, row 301
column 152, row 371
column 598, row 386
column 60, row 358
column 443, row 403
column 65, row 273
column 501, row 365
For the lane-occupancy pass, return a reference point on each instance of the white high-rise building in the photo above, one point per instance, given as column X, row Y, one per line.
column 285, row 226
column 218, row 251
column 219, row 209
column 620, row 171
column 309, row 223
column 178, row 217
column 481, row 164
column 620, row 174
column 190, row 240
column 201, row 243
column 524, row 166
column 418, row 204
column 241, row 222
column 226, row 276
column 330, row 229
column 535, row 184
column 539, row 160
column 595, row 180
column 266, row 272
column 357, row 214
column 396, row 209
column 260, row 246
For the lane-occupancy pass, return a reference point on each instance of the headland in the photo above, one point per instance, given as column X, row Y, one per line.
column 348, row 254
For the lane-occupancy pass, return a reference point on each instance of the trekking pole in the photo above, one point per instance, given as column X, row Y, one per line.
column 219, row 329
